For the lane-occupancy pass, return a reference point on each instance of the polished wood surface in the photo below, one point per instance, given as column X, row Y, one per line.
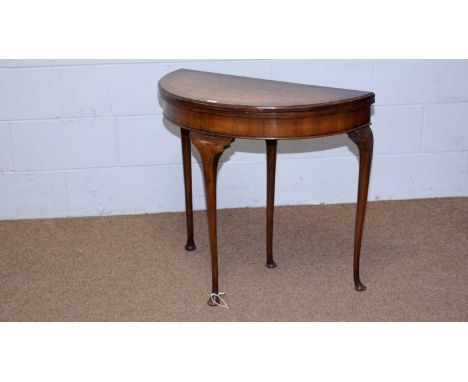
column 261, row 109
column 213, row 109
column 244, row 94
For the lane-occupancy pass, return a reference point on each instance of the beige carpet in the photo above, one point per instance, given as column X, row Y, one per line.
column 135, row 268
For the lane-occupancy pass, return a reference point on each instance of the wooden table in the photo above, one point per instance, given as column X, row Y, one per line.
column 213, row 109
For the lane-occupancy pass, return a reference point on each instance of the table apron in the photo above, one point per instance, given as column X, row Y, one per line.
column 269, row 128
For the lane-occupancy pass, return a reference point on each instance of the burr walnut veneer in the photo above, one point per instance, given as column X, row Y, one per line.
column 213, row 109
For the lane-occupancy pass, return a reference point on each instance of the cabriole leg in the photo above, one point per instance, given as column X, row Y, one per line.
column 364, row 140
column 187, row 163
column 211, row 148
column 271, row 146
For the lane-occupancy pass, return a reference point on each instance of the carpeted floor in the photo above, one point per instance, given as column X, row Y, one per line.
column 134, row 268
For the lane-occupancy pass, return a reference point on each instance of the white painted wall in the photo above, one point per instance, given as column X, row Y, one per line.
column 86, row 137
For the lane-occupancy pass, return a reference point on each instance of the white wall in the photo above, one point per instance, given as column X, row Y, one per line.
column 86, row 137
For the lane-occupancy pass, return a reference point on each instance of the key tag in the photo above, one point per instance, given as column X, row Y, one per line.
column 223, row 303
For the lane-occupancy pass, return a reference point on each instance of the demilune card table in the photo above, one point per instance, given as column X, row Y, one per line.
column 213, row 109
